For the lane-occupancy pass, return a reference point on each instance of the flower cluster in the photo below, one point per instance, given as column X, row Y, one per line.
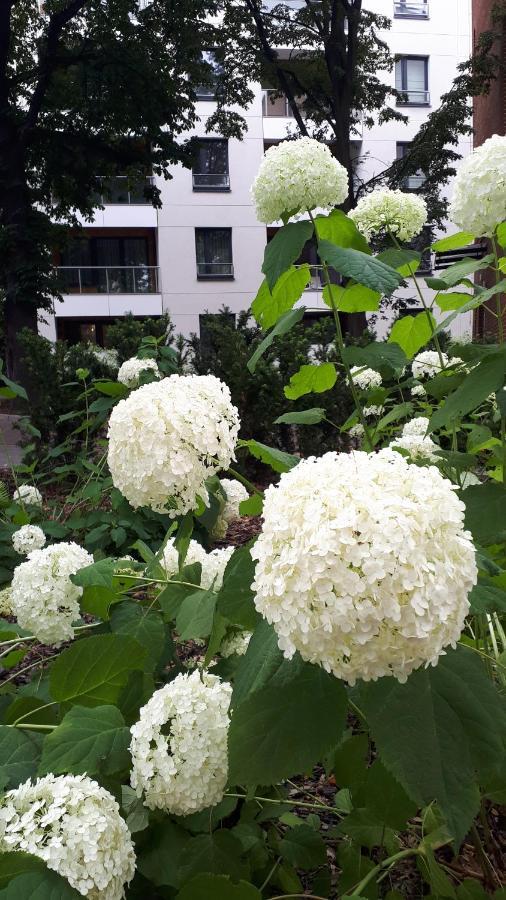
column 418, row 391
column 6, row 601
column 74, row 825
column 427, row 364
column 373, row 411
column 44, row 600
column 130, row 371
column 28, row 538
column 235, row 493
column 167, row 437
column 390, row 212
column 184, row 768
column 415, row 441
column 357, row 431
column 365, row 378
column 213, row 563
column 27, row 494
column 479, row 195
column 235, row 644
column 363, row 564
column 296, row 176
column 108, row 357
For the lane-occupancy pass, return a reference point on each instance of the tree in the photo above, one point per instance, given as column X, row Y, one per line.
column 93, row 88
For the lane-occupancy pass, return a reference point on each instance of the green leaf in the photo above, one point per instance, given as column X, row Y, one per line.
column 253, row 506
column 235, row 598
column 501, row 234
column 412, row 332
column 304, row 417
column 87, row 740
column 366, row 829
column 401, row 411
column 146, row 626
column 381, row 356
column 487, row 598
column 183, row 537
column 158, row 861
column 218, row 887
column 486, row 512
column 487, row 377
column 13, row 863
column 311, row 380
column 284, row 249
column 405, row 262
column 262, row 660
column 384, row 797
column 19, row 756
column 17, row 389
column 458, row 272
column 303, row 847
column 433, row 732
column 111, row 388
column 136, row 815
column 339, row 229
column 453, row 241
column 479, row 298
column 362, row 268
column 352, row 298
column 195, row 616
column 92, row 671
column 45, row 885
column 218, row 853
column 268, row 307
column 282, row 326
column 271, row 456
column 452, row 300
column 99, row 573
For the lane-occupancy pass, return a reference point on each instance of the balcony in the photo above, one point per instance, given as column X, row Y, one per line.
column 413, row 98
column 109, row 279
column 121, row 190
column 413, row 182
column 217, row 271
column 411, row 9
column 206, row 181
column 275, row 105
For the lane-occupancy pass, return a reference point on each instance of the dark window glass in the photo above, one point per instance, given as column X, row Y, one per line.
column 412, row 79
column 214, row 252
column 108, row 265
column 208, row 91
column 410, row 182
column 210, row 170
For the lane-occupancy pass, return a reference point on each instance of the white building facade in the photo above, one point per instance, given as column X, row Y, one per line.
column 203, row 249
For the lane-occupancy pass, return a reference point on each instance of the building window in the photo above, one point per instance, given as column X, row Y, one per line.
column 409, row 182
column 120, row 189
column 214, row 253
column 210, row 169
column 109, row 265
column 207, row 91
column 411, row 9
column 412, row 80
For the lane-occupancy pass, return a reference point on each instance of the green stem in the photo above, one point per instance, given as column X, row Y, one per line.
column 196, row 587
column 270, row 874
column 34, row 727
column 245, row 481
column 16, row 723
column 499, row 309
column 386, row 864
column 503, row 442
column 301, row 803
column 32, row 637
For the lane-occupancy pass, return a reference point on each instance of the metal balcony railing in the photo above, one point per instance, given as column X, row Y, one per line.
column 411, row 9
column 205, row 181
column 413, row 98
column 109, row 279
column 275, row 105
column 119, row 190
column 413, row 182
column 215, row 270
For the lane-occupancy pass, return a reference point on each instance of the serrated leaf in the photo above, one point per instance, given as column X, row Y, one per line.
column 111, row 388
column 253, row 506
column 262, row 660
column 268, row 307
column 388, row 359
column 311, row 380
column 458, row 272
column 99, row 573
column 488, row 376
column 366, row 830
column 411, row 333
column 486, row 512
column 304, row 417
column 284, row 249
column 303, row 847
column 501, row 234
column 146, row 626
column 477, row 300
column 134, row 812
column 282, row 326
column 218, row 853
column 158, row 861
column 487, row 598
column 339, row 229
column 362, row 268
column 235, row 598
column 278, row 460
column 16, row 389
column 352, row 298
column 218, row 887
column 453, row 241
column 87, row 741
column 195, row 615
column 46, row 885
column 93, row 671
column 19, row 756
column 452, row 300
column 405, row 262
column 13, row 863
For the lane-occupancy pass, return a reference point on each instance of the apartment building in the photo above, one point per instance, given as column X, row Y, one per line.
column 203, row 249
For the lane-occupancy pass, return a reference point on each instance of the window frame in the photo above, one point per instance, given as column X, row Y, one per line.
column 220, row 276
column 423, row 14
column 211, row 188
column 402, row 59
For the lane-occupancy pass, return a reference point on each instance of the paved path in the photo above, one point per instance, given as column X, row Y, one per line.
column 10, row 451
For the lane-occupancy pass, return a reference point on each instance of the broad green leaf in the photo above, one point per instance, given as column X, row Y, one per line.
column 479, row 298
column 311, row 380
column 262, row 660
column 384, row 797
column 411, row 333
column 354, row 867
column 405, row 262
column 235, row 598
column 487, row 377
column 388, row 359
column 401, row 411
column 252, row 506
column 271, row 456
column 46, row 885
column 15, row 863
column 303, row 847
column 17, row 389
column 111, row 388
column 182, row 539
column 453, row 241
column 135, row 814
column 486, row 597
column 218, row 853
column 282, row 326
column 19, row 756
column 501, row 234
column 218, row 887
column 352, row 298
column 367, row 830
column 458, row 272
column 362, row 268
column 195, row 616
column 159, row 859
column 452, row 300
column 284, row 249
column 304, row 417
column 268, row 307
column 91, row 741
column 92, row 671
column 146, row 626
column 99, row 573
column 339, row 229
column 486, row 512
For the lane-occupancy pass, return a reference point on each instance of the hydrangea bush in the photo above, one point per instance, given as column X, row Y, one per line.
column 160, row 744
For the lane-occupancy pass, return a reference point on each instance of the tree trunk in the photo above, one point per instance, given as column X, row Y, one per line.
column 18, row 314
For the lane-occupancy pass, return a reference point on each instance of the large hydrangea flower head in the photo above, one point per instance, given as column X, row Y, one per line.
column 75, row 827
column 390, row 212
column 167, row 437
column 427, row 364
column 365, row 378
column 213, row 563
column 296, row 176
column 185, row 770
column 415, row 441
column 479, row 194
column 44, row 600
column 6, row 601
column 363, row 564
column 130, row 371
column 235, row 494
column 28, row 538
column 27, row 494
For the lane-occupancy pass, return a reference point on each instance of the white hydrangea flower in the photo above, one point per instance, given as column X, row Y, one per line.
column 107, row 356
column 28, row 494
column 365, row 378
column 75, row 826
column 468, row 479
column 385, row 211
column 236, row 493
column 427, row 363
column 371, row 411
column 44, row 600
column 363, row 564
column 167, row 437
column 5, row 601
column 479, row 194
column 130, row 371
column 357, row 431
column 296, row 176
column 213, row 563
column 418, row 390
column 27, row 538
column 235, row 644
column 187, row 770
column 415, row 440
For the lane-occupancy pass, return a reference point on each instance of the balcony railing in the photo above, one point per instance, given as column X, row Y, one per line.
column 205, row 181
column 275, row 105
column 109, row 279
column 411, row 9
column 413, row 182
column 215, row 270
column 413, row 98
column 119, row 189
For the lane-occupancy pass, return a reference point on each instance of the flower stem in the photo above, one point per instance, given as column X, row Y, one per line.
column 386, row 864
column 319, row 806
